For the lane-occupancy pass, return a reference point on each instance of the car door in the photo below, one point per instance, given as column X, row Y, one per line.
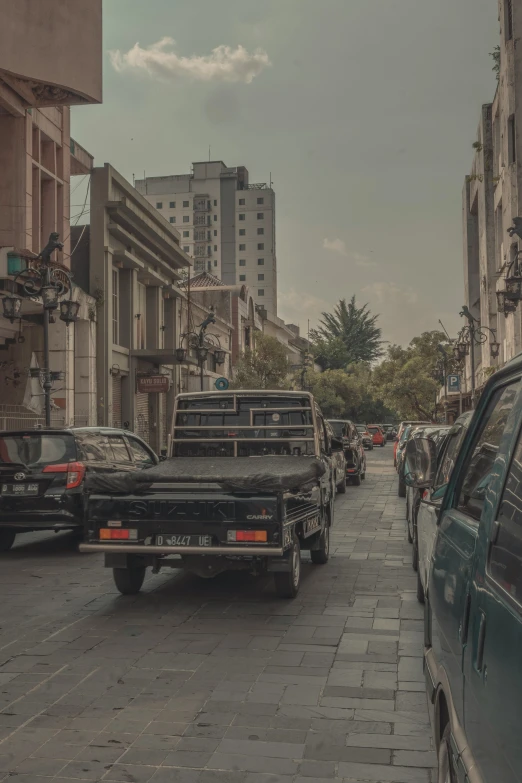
column 493, row 655
column 454, row 550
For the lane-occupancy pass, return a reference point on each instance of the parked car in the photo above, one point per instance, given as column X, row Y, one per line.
column 338, row 460
column 42, row 474
column 430, row 498
column 353, row 449
column 390, row 431
column 248, row 487
column 378, row 436
column 400, row 431
column 366, row 438
column 473, row 604
column 406, row 434
column 414, row 495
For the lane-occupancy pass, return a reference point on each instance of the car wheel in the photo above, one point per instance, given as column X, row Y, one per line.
column 383, row 445
column 287, row 582
column 402, row 489
column 320, row 556
column 357, row 481
column 129, row 580
column 420, row 588
column 363, row 476
column 446, row 773
column 341, row 488
column 7, row 538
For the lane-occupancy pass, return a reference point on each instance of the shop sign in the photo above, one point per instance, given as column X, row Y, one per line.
column 153, row 384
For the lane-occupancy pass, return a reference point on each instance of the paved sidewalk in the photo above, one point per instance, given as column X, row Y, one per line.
column 218, row 681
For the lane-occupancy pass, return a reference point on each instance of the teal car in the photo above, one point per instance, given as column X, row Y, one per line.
column 473, row 596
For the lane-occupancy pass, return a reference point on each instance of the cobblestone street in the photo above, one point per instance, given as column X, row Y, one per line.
column 207, row 681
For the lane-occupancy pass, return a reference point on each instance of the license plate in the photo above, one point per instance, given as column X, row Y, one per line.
column 183, row 541
column 19, row 489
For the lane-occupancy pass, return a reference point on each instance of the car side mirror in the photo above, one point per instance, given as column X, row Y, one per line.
column 420, row 464
column 336, row 444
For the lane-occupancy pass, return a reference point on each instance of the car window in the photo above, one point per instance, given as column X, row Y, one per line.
column 448, row 458
column 34, row 449
column 94, row 447
column 119, row 449
column 505, row 558
column 477, row 473
column 140, row 453
column 322, row 433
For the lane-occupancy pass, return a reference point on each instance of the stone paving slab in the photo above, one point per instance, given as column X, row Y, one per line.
column 207, row 681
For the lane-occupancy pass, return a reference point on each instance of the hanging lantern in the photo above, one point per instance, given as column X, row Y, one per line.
column 69, row 311
column 220, row 355
column 494, row 348
column 202, row 352
column 505, row 305
column 12, row 306
column 181, row 354
column 514, row 288
column 49, row 297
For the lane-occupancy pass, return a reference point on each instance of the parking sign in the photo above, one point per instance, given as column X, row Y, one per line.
column 453, row 383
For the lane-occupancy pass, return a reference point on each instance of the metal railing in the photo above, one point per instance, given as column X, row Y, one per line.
column 16, row 417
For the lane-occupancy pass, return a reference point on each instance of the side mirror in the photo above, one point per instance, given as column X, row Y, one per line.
column 420, row 466
column 336, row 444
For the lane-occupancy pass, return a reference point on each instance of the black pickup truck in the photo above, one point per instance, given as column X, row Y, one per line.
column 248, row 486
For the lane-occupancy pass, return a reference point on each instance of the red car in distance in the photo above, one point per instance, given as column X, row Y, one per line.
column 378, row 436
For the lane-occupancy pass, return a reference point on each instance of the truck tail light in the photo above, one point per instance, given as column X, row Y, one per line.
column 256, row 536
column 108, row 534
column 75, row 472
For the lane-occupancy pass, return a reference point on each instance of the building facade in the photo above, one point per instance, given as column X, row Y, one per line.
column 491, row 202
column 227, row 225
column 50, row 59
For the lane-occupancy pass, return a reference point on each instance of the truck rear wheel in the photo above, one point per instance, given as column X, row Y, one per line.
column 320, row 556
column 7, row 538
column 129, row 580
column 287, row 582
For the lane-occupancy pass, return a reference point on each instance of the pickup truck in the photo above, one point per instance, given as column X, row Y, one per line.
column 248, row 486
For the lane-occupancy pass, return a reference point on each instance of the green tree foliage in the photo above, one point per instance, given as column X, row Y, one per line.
column 349, row 395
column 346, row 336
column 264, row 367
column 409, row 379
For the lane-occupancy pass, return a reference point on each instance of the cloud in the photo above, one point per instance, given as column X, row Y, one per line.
column 339, row 246
column 336, row 246
column 223, row 64
column 391, row 293
column 296, row 307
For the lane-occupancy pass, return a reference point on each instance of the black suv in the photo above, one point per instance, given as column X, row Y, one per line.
column 42, row 474
column 353, row 449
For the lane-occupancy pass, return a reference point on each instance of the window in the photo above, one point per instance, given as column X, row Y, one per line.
column 242, row 247
column 215, row 232
column 172, row 205
column 241, row 215
column 261, row 277
column 172, row 219
column 260, row 261
column 260, row 291
column 261, row 246
column 512, row 140
column 215, row 263
column 209, row 250
column 260, row 215
column 119, row 449
column 505, row 559
column 477, row 474
column 260, row 200
column 186, row 204
column 242, row 262
column 186, row 248
column 159, row 204
column 93, row 448
column 215, row 217
column 215, row 202
column 241, row 202
column 186, row 234
column 115, row 305
column 141, row 455
column 242, row 232
column 215, row 248
column 241, row 278
column 260, row 231
column 450, row 455
column 186, row 218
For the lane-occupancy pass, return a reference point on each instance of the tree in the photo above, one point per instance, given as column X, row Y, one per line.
column 409, row 378
column 346, row 336
column 265, row 366
column 349, row 394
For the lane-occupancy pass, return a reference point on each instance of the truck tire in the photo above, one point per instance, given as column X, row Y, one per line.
column 287, row 582
column 357, row 480
column 129, row 580
column 446, row 772
column 7, row 538
column 320, row 556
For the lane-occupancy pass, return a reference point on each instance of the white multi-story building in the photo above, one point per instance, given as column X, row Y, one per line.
column 226, row 224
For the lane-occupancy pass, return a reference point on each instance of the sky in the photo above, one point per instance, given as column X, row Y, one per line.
column 363, row 112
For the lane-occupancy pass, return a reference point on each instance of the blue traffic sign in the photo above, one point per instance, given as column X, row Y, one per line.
column 221, row 384
column 453, row 383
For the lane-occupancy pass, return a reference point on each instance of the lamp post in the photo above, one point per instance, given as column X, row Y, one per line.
column 444, row 375
column 203, row 344
column 470, row 335
column 50, row 282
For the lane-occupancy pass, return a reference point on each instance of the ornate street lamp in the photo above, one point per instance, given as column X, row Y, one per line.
column 203, row 344
column 69, row 311
column 474, row 334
